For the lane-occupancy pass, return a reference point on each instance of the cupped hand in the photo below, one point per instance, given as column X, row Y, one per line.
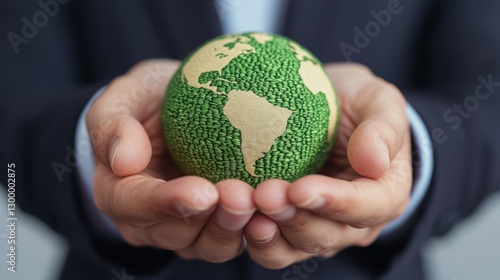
column 364, row 185
column 139, row 187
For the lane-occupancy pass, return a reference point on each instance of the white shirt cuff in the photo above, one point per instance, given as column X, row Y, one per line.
column 423, row 164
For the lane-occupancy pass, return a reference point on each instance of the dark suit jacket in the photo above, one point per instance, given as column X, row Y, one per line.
column 434, row 51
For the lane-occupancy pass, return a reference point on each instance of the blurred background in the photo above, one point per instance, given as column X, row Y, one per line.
column 470, row 251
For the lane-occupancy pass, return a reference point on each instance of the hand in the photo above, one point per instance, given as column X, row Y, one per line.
column 364, row 185
column 139, row 187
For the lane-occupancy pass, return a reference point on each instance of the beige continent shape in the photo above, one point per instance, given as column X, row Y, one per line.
column 259, row 121
column 214, row 56
column 316, row 80
column 262, row 38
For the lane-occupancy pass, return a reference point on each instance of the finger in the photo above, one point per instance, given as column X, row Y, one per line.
column 141, row 201
column 360, row 203
column 301, row 228
column 222, row 238
column 267, row 247
column 131, row 94
column 379, row 109
column 348, row 76
column 148, row 211
column 271, row 198
column 318, row 236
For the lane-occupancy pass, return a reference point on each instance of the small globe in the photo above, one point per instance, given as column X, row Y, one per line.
column 250, row 106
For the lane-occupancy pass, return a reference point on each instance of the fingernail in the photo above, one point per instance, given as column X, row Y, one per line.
column 383, row 148
column 314, row 202
column 188, row 211
column 264, row 239
column 113, row 150
column 232, row 220
column 284, row 214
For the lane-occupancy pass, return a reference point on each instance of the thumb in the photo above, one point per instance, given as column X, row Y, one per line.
column 117, row 136
column 383, row 127
column 368, row 149
column 122, row 144
column 114, row 120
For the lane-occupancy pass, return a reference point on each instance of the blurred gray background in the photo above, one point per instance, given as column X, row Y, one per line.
column 470, row 251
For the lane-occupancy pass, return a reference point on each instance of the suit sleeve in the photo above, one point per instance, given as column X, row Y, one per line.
column 458, row 101
column 38, row 138
column 42, row 94
column 461, row 109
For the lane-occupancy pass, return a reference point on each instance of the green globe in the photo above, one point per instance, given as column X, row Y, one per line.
column 250, row 106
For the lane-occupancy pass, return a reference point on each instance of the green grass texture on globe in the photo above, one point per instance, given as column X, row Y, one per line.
column 250, row 106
